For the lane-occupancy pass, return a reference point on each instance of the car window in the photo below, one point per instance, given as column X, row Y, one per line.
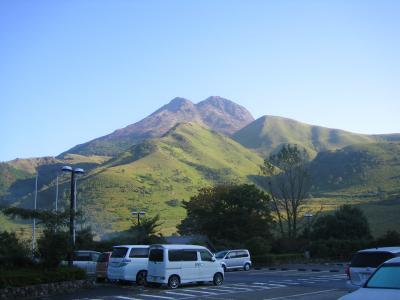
column 242, row 254
column 95, row 256
column 82, row 257
column 103, row 257
column 119, row 252
column 205, row 255
column 220, row 254
column 370, row 259
column 139, row 253
column 156, row 255
column 233, row 254
column 182, row 255
column 386, row 277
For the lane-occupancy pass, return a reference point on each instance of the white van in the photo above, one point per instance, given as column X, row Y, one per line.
column 177, row 264
column 128, row 263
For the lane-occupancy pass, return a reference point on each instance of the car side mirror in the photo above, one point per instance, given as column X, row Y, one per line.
column 213, row 258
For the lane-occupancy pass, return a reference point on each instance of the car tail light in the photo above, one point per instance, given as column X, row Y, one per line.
column 347, row 271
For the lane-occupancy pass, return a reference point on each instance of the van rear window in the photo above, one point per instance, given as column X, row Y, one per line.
column 156, row 255
column 119, row 252
column 182, row 255
column 370, row 259
column 139, row 253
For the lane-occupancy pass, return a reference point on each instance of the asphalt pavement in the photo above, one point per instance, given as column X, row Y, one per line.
column 288, row 282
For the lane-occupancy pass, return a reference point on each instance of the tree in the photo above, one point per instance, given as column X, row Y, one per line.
column 228, row 213
column 147, row 231
column 288, row 183
column 347, row 223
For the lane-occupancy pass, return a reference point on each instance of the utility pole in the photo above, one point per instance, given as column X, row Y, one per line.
column 34, row 219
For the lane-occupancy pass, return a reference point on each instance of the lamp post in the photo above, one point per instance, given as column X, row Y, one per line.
column 308, row 216
column 74, row 173
column 138, row 213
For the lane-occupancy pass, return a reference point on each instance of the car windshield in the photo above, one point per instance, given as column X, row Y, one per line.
column 370, row 259
column 387, row 277
column 119, row 252
column 220, row 254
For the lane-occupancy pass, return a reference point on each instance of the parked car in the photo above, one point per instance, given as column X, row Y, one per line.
column 364, row 263
column 234, row 259
column 129, row 263
column 176, row 264
column 384, row 283
column 86, row 260
column 102, row 266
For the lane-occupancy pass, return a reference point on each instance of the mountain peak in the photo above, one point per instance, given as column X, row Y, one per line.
column 177, row 104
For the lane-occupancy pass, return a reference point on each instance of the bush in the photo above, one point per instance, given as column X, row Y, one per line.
column 337, row 249
column 271, row 259
column 13, row 253
column 53, row 248
column 31, row 276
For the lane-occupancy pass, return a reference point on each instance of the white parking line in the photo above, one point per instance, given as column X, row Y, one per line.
column 197, row 291
column 299, row 295
column 156, row 296
column 125, row 298
column 179, row 294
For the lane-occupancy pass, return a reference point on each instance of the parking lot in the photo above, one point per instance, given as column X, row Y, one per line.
column 316, row 282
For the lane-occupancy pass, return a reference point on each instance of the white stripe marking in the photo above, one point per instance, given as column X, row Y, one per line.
column 298, row 295
column 156, row 296
column 125, row 298
column 197, row 291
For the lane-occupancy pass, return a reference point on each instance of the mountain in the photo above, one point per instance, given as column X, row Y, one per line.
column 219, row 114
column 363, row 168
column 155, row 175
column 268, row 133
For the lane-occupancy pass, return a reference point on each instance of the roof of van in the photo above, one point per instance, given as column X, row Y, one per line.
column 179, row 246
column 395, row 260
column 127, row 246
column 382, row 249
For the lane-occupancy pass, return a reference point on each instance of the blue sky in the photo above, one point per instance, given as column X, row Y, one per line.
column 71, row 71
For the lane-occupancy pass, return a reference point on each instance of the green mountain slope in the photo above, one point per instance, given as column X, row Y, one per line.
column 267, row 134
column 156, row 176
column 364, row 168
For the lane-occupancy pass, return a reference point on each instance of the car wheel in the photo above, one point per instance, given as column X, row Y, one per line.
column 246, row 267
column 141, row 278
column 173, row 282
column 218, row 279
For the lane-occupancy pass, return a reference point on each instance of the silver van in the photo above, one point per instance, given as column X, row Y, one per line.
column 234, row 259
column 365, row 262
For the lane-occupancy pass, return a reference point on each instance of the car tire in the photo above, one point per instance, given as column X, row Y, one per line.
column 141, row 278
column 246, row 267
column 174, row 282
column 218, row 279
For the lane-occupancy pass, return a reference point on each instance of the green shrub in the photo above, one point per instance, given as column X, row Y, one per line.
column 13, row 252
column 337, row 249
column 53, row 248
column 271, row 259
column 31, row 276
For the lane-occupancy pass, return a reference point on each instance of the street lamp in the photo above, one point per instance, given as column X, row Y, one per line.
column 308, row 217
column 138, row 213
column 74, row 174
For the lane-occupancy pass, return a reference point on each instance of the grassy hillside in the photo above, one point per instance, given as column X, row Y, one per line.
column 365, row 168
column 267, row 134
column 156, row 176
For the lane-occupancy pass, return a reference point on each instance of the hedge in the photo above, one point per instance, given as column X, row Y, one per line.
column 271, row 259
column 31, row 276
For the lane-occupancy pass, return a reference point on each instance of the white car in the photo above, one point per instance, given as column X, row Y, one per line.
column 176, row 264
column 364, row 263
column 86, row 260
column 383, row 284
column 234, row 259
column 128, row 263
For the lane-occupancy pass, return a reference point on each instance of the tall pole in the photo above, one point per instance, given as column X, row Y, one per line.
column 57, row 194
column 72, row 220
column 138, row 219
column 34, row 219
